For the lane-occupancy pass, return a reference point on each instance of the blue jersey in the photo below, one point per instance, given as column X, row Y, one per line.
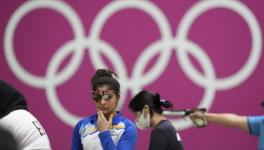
column 256, row 127
column 122, row 136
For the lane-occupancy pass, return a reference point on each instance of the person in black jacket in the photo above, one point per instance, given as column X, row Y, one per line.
column 15, row 118
column 147, row 107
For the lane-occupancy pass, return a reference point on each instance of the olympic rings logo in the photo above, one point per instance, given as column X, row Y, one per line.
column 164, row 47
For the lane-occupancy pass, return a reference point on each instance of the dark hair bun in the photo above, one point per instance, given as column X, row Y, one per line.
column 105, row 76
column 162, row 102
column 104, row 73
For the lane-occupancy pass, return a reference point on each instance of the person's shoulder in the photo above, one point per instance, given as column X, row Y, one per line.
column 256, row 118
column 88, row 120
column 164, row 125
column 127, row 122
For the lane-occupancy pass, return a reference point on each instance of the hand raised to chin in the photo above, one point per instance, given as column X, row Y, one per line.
column 102, row 123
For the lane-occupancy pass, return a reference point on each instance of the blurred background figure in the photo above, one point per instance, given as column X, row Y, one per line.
column 147, row 107
column 15, row 117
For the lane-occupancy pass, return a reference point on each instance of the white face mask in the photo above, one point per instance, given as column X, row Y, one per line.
column 143, row 123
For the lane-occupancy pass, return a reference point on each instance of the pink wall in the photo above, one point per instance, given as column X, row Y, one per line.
column 48, row 51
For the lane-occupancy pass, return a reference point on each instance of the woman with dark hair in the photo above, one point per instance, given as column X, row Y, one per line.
column 108, row 129
column 147, row 107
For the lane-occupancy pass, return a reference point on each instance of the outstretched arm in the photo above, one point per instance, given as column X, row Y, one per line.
column 226, row 119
